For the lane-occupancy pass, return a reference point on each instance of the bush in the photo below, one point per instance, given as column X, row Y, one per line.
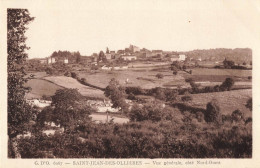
column 237, row 116
column 186, row 98
column 67, row 74
column 212, row 113
column 74, row 75
column 159, row 76
column 228, row 83
column 83, row 80
column 134, row 90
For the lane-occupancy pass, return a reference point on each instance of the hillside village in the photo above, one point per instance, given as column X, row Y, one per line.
column 132, row 53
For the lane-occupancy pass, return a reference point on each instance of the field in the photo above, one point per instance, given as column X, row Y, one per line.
column 41, row 87
column 69, row 82
column 228, row 101
column 218, row 75
column 42, row 84
column 143, row 78
column 147, row 78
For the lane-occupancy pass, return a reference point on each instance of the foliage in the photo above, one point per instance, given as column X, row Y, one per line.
column 186, row 98
column 19, row 112
column 175, row 67
column 101, row 57
column 228, row 64
column 237, row 116
column 116, row 93
column 153, row 111
column 68, row 110
column 227, row 84
column 249, row 103
column 212, row 113
column 73, row 57
column 74, row 75
column 146, row 139
column 159, row 76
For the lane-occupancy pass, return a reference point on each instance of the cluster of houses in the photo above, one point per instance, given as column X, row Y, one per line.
column 130, row 53
column 134, row 53
column 52, row 60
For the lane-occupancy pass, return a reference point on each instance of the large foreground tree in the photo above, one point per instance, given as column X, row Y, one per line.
column 19, row 112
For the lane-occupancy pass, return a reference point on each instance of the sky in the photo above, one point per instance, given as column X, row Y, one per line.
column 176, row 25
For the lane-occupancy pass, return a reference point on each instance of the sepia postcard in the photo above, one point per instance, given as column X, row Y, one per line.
column 109, row 83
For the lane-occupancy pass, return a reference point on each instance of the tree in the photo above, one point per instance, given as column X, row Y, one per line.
column 19, row 112
column 68, row 110
column 237, row 116
column 228, row 83
column 212, row 113
column 116, row 93
column 78, row 57
column 175, row 67
column 102, row 57
column 228, row 64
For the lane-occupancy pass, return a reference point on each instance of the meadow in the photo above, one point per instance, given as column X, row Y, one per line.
column 218, row 75
column 146, row 78
column 143, row 78
column 229, row 101
column 69, row 82
column 40, row 87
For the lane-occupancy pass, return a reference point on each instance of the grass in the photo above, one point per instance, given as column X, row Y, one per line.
column 146, row 78
column 229, row 101
column 143, row 78
column 69, row 82
column 41, row 87
column 218, row 75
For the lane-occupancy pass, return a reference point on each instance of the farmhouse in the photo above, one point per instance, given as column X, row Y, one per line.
column 66, row 61
column 128, row 57
column 180, row 57
column 51, row 60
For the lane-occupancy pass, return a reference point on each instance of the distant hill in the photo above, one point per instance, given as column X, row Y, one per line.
column 238, row 55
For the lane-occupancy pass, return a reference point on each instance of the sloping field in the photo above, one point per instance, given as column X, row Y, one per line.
column 229, row 72
column 218, row 75
column 41, row 87
column 228, row 101
column 143, row 78
column 69, row 82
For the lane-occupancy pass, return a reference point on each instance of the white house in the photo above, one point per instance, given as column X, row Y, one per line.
column 182, row 57
column 51, row 60
column 129, row 57
column 66, row 61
